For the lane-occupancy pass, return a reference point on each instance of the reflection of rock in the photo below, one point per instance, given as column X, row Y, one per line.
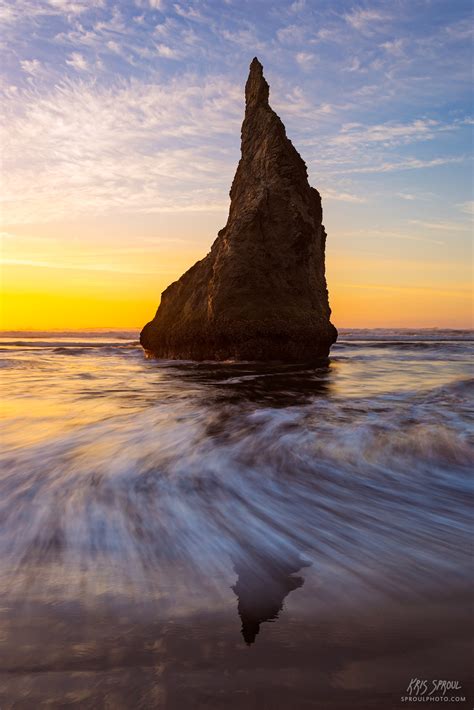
column 266, row 384
column 261, row 588
column 260, row 293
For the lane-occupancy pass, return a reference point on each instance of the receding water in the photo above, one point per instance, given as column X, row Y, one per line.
column 183, row 535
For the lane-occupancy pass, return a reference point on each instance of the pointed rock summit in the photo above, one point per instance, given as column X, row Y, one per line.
column 260, row 293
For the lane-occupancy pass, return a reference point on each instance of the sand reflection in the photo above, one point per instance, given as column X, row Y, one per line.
column 261, row 588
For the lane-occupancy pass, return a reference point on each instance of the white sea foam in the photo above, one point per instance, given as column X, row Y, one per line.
column 139, row 467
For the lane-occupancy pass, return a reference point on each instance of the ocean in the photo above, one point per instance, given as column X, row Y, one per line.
column 234, row 535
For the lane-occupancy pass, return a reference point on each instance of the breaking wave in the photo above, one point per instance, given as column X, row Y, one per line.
column 133, row 467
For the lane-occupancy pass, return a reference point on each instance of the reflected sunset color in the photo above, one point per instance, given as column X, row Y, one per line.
column 172, row 529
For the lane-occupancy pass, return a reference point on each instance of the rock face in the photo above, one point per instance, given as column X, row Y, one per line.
column 260, row 293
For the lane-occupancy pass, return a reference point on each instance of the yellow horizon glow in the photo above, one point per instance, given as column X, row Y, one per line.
column 111, row 273
column 46, row 298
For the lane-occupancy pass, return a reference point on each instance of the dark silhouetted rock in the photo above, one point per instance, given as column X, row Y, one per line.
column 260, row 293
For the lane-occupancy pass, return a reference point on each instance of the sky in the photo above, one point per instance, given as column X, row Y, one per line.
column 121, row 135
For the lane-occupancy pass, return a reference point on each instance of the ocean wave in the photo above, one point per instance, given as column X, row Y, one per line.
column 369, row 484
column 100, row 333
column 406, row 334
column 402, row 344
column 118, row 471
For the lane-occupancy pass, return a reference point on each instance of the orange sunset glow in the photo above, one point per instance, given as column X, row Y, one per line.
column 50, row 281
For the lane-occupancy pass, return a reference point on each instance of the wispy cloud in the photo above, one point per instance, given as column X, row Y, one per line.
column 395, row 47
column 14, row 13
column 77, row 61
column 11, row 237
column 334, row 195
column 407, row 164
column 461, row 30
column 70, row 266
column 389, row 234
column 291, row 34
column 467, row 207
column 389, row 133
column 74, row 6
column 164, row 51
column 305, row 59
column 31, row 66
column 245, row 38
column 441, row 225
column 354, row 65
column 190, row 13
column 146, row 152
column 297, row 6
column 365, row 19
column 150, row 4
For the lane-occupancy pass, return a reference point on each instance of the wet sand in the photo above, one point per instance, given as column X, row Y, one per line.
column 313, row 655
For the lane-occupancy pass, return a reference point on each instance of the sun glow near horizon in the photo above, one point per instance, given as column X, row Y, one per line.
column 123, row 290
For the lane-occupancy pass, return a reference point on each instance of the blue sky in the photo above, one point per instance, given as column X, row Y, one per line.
column 129, row 113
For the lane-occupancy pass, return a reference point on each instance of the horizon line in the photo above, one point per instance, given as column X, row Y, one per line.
column 139, row 328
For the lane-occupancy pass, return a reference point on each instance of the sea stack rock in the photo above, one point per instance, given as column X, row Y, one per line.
column 260, row 293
